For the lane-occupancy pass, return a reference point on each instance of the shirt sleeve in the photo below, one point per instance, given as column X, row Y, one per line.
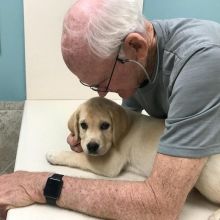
column 192, row 128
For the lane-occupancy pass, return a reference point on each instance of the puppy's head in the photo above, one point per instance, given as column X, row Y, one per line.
column 100, row 124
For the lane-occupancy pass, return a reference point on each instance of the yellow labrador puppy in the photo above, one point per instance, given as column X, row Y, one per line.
column 114, row 139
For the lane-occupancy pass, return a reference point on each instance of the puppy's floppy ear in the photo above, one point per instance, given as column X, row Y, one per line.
column 73, row 123
column 120, row 122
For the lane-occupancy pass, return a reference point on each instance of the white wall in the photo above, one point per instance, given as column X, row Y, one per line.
column 47, row 77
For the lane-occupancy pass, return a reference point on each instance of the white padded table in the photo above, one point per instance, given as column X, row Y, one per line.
column 44, row 127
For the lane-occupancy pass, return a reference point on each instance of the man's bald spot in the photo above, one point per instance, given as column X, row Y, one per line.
column 74, row 25
column 75, row 49
column 80, row 12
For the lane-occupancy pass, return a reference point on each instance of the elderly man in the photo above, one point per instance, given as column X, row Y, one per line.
column 169, row 68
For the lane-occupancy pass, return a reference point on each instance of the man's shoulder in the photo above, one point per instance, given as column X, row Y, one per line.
column 187, row 29
column 183, row 22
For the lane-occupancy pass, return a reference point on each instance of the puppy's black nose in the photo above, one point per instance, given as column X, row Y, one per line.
column 92, row 147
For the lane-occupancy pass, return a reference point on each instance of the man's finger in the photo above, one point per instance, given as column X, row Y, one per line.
column 76, row 148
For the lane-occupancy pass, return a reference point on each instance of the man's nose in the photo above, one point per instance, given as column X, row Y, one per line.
column 102, row 94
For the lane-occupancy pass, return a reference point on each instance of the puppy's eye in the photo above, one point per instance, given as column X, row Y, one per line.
column 104, row 126
column 83, row 125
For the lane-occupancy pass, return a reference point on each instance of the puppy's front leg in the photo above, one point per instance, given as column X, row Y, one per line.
column 108, row 165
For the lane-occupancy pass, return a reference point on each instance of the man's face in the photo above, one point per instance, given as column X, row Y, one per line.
column 94, row 71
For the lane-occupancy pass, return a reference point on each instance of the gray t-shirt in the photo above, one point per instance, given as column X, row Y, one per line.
column 186, row 91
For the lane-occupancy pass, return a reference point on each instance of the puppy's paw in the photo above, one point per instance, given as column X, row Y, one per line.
column 53, row 157
column 215, row 215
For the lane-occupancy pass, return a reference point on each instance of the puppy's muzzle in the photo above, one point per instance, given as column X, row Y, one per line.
column 92, row 147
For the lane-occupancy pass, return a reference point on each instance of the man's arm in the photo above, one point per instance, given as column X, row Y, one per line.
column 161, row 196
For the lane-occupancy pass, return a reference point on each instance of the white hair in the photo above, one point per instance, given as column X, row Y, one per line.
column 109, row 24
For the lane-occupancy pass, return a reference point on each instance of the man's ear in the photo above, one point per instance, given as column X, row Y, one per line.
column 135, row 46
column 73, row 124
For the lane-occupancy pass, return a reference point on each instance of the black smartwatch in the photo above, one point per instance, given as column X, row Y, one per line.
column 53, row 188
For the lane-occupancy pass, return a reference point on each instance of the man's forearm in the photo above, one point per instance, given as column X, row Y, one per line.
column 161, row 196
column 109, row 199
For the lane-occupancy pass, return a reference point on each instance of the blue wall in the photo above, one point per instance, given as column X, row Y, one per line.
column 12, row 65
column 203, row 9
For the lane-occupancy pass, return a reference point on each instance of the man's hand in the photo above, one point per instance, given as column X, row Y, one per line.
column 74, row 143
column 20, row 189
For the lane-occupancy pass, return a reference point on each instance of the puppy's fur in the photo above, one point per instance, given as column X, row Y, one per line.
column 114, row 139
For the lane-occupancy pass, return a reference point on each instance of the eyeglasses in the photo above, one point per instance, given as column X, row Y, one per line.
column 97, row 88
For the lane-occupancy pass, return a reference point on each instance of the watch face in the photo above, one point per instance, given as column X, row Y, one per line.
column 53, row 188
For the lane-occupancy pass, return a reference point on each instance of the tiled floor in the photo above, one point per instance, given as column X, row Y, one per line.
column 10, row 121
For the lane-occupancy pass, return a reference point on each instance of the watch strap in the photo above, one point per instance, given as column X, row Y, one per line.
column 51, row 201
column 57, row 176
